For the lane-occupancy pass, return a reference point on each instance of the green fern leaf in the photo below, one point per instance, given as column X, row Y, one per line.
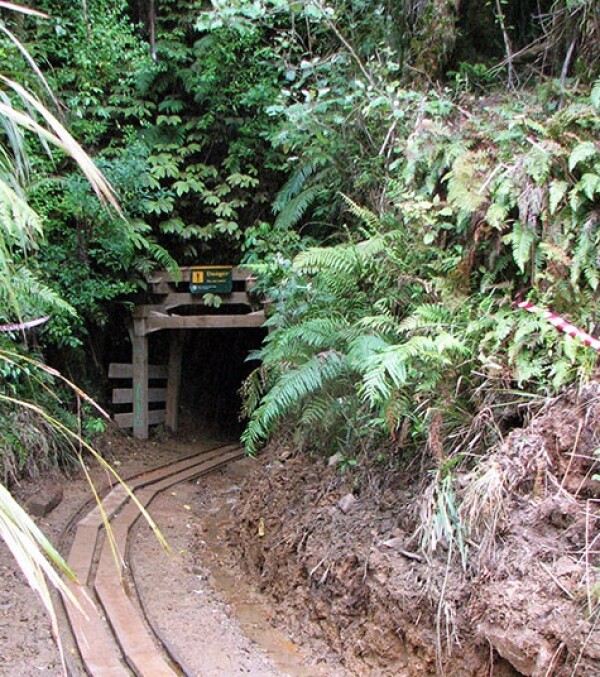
column 581, row 153
column 522, row 239
column 340, row 260
column 295, row 184
column 556, row 192
column 496, row 216
column 365, row 215
column 465, row 182
column 590, row 185
column 295, row 209
column 289, row 392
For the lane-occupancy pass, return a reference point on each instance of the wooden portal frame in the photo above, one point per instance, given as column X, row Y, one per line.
column 149, row 318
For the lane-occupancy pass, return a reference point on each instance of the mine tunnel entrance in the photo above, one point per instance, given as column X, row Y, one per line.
column 214, row 366
column 189, row 353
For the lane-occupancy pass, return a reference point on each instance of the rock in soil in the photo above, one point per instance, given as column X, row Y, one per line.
column 45, row 500
column 342, row 556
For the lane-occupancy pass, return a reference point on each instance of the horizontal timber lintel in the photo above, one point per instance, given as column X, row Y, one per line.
column 120, row 370
column 176, row 300
column 152, row 324
column 125, row 395
column 155, row 417
column 238, row 275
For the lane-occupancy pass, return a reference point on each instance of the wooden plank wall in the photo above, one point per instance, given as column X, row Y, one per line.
column 118, row 370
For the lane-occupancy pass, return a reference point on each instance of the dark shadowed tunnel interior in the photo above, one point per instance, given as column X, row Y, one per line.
column 214, row 365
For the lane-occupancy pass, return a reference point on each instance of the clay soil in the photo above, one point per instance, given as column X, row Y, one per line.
column 342, row 554
column 292, row 565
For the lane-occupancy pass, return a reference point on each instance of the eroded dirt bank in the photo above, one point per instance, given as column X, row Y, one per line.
column 342, row 556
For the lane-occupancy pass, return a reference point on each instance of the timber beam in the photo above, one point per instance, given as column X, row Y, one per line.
column 162, row 276
column 156, row 323
column 140, row 419
column 177, row 300
column 149, row 318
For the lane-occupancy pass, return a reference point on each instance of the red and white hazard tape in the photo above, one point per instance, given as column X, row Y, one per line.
column 562, row 325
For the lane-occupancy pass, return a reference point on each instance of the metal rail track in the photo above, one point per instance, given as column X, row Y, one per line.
column 109, row 631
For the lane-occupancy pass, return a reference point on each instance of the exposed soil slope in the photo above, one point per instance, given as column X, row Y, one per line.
column 353, row 574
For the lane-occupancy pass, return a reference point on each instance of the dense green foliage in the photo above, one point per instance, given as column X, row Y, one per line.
column 234, row 130
column 92, row 257
column 364, row 156
column 60, row 248
column 406, row 330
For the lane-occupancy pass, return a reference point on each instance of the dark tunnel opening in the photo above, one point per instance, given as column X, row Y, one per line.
column 214, row 366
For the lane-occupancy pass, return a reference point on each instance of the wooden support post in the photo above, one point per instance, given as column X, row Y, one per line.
column 174, row 380
column 139, row 342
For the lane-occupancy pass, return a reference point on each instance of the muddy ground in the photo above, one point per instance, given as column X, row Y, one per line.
column 342, row 554
column 291, row 564
column 212, row 619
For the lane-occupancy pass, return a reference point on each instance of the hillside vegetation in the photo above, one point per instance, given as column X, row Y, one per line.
column 399, row 175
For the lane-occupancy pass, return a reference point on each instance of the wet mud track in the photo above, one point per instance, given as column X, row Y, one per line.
column 111, row 633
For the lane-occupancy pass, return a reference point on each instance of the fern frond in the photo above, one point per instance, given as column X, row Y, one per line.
column 385, row 324
column 584, row 260
column 25, row 295
column 294, row 185
column 522, row 239
column 297, row 207
column 21, row 226
column 363, row 348
column 289, row 392
column 368, row 249
column 429, row 315
column 465, row 181
column 316, row 411
column 337, row 260
column 314, row 334
column 395, row 367
column 366, row 216
column 252, row 390
column 163, row 258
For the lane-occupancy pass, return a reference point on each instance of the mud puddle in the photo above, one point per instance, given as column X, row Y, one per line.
column 253, row 616
column 213, row 622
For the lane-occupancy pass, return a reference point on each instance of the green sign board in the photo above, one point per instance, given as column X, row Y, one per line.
column 211, row 279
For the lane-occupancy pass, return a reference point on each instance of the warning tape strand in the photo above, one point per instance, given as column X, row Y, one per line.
column 22, row 326
column 562, row 325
